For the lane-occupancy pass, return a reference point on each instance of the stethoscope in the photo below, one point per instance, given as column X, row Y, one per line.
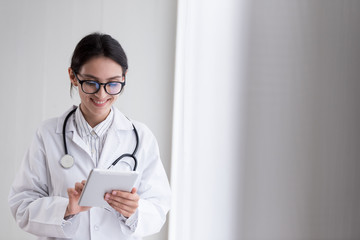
column 67, row 161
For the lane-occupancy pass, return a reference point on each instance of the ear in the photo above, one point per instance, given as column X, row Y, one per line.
column 72, row 77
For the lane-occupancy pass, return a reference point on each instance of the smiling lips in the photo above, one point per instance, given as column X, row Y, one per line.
column 99, row 103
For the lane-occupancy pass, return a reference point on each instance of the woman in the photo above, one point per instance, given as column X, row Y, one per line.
column 45, row 193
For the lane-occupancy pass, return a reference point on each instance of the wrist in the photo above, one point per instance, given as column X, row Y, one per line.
column 69, row 217
column 68, row 214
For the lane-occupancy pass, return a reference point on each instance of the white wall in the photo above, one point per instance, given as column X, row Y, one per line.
column 37, row 40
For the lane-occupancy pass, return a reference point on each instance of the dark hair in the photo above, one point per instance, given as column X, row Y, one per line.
column 96, row 45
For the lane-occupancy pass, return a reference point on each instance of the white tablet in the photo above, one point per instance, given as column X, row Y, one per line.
column 101, row 181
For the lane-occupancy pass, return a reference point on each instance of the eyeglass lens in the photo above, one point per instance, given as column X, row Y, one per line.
column 110, row 87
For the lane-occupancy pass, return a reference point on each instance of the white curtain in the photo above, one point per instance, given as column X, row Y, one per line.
column 206, row 161
column 266, row 120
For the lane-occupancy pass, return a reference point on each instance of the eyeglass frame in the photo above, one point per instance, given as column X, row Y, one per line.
column 100, row 84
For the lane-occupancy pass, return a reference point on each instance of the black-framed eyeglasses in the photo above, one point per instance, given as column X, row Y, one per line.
column 91, row 86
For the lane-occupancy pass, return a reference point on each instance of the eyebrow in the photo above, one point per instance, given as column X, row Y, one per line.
column 96, row 78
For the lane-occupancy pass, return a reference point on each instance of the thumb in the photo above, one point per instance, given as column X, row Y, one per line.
column 133, row 190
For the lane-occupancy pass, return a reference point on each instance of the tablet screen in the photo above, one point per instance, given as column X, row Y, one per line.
column 101, row 181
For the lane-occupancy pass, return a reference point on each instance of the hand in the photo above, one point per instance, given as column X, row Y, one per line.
column 74, row 195
column 125, row 203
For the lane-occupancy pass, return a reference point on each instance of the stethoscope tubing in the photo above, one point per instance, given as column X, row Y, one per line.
column 127, row 154
column 64, row 129
column 119, row 158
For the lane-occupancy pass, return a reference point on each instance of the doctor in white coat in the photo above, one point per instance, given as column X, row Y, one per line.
column 44, row 196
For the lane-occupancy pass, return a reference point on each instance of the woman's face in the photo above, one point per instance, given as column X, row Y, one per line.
column 95, row 107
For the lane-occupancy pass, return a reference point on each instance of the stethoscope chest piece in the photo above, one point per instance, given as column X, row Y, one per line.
column 67, row 161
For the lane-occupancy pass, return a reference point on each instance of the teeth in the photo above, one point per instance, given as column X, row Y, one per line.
column 97, row 102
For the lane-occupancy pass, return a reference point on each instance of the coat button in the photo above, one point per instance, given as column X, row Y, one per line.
column 96, row 228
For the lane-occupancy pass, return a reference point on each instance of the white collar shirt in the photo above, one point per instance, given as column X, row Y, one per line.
column 95, row 137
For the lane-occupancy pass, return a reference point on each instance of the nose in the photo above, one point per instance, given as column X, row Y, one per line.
column 101, row 93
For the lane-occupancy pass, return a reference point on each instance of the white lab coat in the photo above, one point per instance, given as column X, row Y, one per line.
column 38, row 197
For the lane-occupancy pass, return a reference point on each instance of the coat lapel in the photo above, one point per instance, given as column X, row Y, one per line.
column 70, row 131
column 110, row 151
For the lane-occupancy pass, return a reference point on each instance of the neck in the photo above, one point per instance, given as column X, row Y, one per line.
column 93, row 119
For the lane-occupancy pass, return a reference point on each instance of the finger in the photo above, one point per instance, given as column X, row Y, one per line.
column 133, row 191
column 120, row 207
column 124, row 202
column 79, row 187
column 126, row 195
column 118, row 200
column 83, row 182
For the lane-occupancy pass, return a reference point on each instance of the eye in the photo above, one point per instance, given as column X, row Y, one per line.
column 113, row 84
column 90, row 83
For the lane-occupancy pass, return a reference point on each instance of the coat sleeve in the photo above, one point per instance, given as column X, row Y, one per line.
column 154, row 191
column 33, row 209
